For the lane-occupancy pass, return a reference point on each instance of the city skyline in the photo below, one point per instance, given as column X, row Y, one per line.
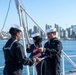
column 68, row 33
column 52, row 26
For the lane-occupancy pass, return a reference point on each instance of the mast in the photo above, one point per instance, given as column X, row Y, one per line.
column 18, row 6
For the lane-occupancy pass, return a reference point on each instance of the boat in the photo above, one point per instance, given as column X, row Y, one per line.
column 21, row 9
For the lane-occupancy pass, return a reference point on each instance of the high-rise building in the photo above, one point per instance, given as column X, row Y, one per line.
column 30, row 32
column 63, row 33
column 35, row 29
column 74, row 30
column 69, row 32
column 58, row 29
column 56, row 26
column 66, row 34
column 47, row 27
column 41, row 33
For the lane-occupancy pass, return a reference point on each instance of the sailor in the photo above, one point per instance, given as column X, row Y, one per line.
column 52, row 49
column 34, row 50
column 14, row 53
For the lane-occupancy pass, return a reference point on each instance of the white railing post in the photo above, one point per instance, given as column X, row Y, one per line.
column 63, row 64
column 69, row 59
column 33, row 70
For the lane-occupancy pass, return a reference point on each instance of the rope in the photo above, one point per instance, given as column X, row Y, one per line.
column 6, row 15
column 22, row 3
column 25, row 14
column 32, row 19
column 26, row 20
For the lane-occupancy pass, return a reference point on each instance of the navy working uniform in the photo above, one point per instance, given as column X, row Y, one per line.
column 35, row 53
column 53, row 51
column 15, row 58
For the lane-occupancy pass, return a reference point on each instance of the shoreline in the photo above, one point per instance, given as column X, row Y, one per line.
column 47, row 39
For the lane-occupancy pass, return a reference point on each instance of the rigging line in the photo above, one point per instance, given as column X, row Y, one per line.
column 30, row 18
column 6, row 15
column 22, row 3
column 25, row 19
column 26, row 25
column 25, row 15
column 26, row 32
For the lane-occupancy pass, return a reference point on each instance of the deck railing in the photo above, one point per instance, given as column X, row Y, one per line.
column 63, row 56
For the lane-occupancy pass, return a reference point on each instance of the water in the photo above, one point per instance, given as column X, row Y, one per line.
column 68, row 46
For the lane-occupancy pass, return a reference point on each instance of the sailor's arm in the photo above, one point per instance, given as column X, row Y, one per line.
column 23, row 59
column 21, row 56
column 57, row 49
column 29, row 48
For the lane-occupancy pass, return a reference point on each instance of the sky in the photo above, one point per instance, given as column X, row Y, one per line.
column 61, row 12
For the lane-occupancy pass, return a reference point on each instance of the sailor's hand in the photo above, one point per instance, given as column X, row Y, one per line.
column 38, row 59
column 41, row 49
column 28, row 45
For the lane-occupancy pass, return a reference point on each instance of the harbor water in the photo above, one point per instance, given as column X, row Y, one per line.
column 69, row 47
